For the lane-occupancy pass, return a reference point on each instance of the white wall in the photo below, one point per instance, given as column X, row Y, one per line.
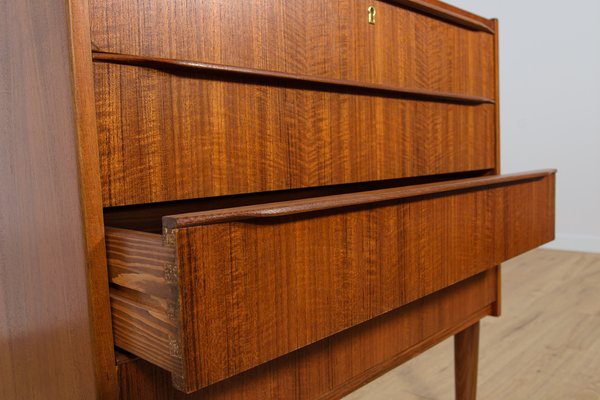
column 550, row 103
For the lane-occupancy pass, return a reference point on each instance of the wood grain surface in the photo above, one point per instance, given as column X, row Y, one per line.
column 143, row 325
column 272, row 287
column 497, row 168
column 255, row 290
column 91, row 198
column 446, row 12
column 144, row 296
column 147, row 217
column 46, row 339
column 497, row 92
column 137, row 261
column 452, row 9
column 339, row 364
column 323, row 38
column 308, row 205
column 308, row 81
column 169, row 137
column 197, row 99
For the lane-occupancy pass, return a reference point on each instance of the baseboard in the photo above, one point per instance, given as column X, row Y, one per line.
column 588, row 244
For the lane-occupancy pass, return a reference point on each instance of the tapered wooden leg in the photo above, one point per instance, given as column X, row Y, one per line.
column 466, row 354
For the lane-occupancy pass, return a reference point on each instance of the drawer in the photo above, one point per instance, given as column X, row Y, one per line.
column 225, row 290
column 333, row 367
column 412, row 44
column 174, row 135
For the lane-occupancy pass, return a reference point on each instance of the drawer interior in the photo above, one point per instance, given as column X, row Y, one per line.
column 223, row 290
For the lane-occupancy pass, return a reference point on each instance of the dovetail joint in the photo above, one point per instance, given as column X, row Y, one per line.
column 173, row 311
column 171, row 273
column 178, row 381
column 169, row 236
column 175, row 348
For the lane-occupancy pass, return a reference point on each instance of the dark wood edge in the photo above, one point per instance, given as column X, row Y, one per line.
column 167, row 64
column 497, row 94
column 279, row 209
column 124, row 357
column 445, row 14
column 466, row 360
column 497, row 306
column 497, row 310
column 91, row 198
column 461, row 11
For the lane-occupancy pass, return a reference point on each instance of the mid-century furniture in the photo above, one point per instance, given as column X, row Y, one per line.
column 216, row 199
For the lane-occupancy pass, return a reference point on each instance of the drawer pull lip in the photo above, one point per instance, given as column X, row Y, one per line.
column 171, row 64
column 270, row 210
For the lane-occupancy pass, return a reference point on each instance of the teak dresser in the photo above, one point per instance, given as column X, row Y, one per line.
column 216, row 199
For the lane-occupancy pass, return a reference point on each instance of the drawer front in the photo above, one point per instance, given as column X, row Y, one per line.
column 250, row 284
column 334, row 367
column 324, row 38
column 171, row 136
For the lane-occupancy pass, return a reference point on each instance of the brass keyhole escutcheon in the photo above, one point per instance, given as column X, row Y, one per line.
column 372, row 13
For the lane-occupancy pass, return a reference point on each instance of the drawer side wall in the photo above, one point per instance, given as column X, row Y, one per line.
column 144, row 297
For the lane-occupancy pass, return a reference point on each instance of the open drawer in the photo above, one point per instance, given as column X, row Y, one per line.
column 225, row 290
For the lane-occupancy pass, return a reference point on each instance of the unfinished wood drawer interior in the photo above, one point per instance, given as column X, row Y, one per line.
column 332, row 39
column 223, row 291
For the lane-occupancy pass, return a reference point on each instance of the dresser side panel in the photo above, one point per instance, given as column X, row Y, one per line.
column 46, row 344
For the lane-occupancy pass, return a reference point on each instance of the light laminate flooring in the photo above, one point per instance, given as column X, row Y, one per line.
column 545, row 346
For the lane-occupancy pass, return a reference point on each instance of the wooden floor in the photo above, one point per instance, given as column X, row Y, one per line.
column 545, row 346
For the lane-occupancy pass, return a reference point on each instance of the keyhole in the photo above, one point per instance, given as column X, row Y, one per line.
column 372, row 12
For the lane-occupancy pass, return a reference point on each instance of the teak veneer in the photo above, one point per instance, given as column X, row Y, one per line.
column 328, row 39
column 216, row 199
column 214, row 142
column 223, row 291
column 333, row 367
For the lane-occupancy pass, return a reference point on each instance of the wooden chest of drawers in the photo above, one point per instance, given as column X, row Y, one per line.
column 285, row 199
